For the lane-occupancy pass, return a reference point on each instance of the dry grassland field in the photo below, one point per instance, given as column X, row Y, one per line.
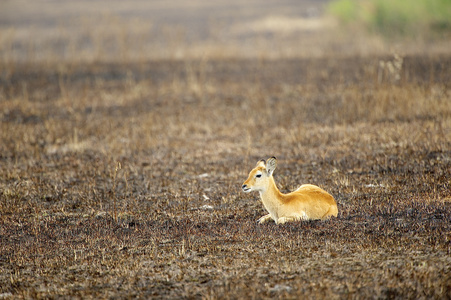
column 128, row 128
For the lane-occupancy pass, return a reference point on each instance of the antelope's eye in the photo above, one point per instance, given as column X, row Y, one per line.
column 258, row 175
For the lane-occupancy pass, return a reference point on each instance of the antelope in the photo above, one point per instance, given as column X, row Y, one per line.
column 308, row 202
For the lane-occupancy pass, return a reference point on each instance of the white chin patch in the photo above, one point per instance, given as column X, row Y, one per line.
column 247, row 190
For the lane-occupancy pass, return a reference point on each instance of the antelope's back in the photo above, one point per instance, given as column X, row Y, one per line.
column 315, row 191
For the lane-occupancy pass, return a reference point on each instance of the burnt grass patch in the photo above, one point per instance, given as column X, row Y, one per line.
column 123, row 180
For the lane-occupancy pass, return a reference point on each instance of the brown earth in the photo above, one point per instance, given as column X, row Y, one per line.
column 106, row 171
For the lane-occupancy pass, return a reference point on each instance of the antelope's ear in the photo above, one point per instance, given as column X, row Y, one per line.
column 261, row 163
column 271, row 165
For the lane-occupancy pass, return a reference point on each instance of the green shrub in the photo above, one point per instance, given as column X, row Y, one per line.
column 395, row 17
column 345, row 10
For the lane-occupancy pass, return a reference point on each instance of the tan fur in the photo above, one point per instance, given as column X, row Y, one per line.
column 308, row 202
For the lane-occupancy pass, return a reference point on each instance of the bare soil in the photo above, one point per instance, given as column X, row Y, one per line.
column 124, row 180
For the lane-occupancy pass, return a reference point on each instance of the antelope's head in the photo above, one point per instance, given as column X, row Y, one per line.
column 259, row 176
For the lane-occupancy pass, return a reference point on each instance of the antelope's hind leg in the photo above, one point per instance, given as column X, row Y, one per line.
column 265, row 219
column 298, row 217
column 283, row 220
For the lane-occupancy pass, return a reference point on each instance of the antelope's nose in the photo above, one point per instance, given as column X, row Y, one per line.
column 244, row 186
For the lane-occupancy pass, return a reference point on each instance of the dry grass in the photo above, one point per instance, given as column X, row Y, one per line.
column 122, row 178
column 185, row 135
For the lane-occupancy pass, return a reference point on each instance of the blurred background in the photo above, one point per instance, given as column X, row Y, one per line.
column 140, row 30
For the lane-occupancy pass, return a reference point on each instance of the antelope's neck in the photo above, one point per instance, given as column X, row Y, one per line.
column 272, row 198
